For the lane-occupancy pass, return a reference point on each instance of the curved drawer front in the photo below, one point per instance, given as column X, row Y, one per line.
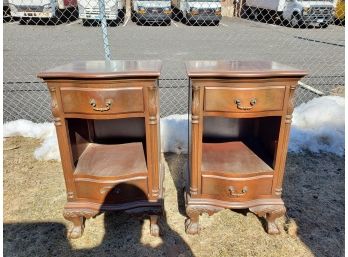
column 236, row 189
column 102, row 100
column 244, row 99
column 109, row 193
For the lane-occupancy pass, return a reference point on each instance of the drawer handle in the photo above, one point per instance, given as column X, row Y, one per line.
column 233, row 193
column 107, row 107
column 252, row 104
column 106, row 189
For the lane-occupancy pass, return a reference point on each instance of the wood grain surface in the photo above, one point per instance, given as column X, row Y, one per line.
column 115, row 160
column 105, row 69
column 240, row 69
column 231, row 157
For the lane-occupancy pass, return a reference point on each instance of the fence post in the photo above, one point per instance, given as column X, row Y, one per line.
column 102, row 18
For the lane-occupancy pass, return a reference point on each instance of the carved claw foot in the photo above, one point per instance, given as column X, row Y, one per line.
column 77, row 217
column 192, row 223
column 154, row 228
column 191, row 228
column 75, row 232
column 271, row 213
column 272, row 228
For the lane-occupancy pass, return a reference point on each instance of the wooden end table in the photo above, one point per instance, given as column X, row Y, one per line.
column 240, row 122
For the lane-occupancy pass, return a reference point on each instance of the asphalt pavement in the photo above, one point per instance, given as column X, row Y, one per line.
column 29, row 49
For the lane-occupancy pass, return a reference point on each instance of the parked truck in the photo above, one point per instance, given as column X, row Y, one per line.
column 294, row 12
column 339, row 12
column 197, row 11
column 6, row 14
column 114, row 11
column 27, row 9
column 153, row 12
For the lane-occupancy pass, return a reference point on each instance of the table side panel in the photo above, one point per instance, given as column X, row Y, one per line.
column 152, row 123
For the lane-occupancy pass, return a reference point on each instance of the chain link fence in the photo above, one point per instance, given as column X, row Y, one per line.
column 41, row 34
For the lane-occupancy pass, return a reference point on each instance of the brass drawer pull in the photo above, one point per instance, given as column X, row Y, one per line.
column 233, row 193
column 252, row 104
column 106, row 189
column 107, row 107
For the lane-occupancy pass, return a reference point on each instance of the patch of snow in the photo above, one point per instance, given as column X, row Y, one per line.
column 27, row 128
column 318, row 126
column 48, row 150
column 174, row 137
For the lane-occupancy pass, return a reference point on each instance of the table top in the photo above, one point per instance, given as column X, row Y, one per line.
column 104, row 69
column 241, row 69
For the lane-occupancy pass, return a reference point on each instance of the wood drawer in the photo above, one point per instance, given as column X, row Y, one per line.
column 236, row 189
column 252, row 99
column 102, row 100
column 108, row 193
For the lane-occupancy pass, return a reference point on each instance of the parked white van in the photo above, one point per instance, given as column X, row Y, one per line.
column 197, row 11
column 153, row 12
column 114, row 11
column 294, row 12
column 26, row 9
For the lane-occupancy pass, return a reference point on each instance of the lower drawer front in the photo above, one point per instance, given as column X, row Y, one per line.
column 236, row 190
column 112, row 192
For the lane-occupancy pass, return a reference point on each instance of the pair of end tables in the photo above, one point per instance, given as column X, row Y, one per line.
column 107, row 121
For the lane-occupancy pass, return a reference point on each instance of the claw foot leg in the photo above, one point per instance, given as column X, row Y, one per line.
column 192, row 226
column 272, row 227
column 76, row 230
column 77, row 217
column 154, row 228
column 192, row 223
column 271, row 213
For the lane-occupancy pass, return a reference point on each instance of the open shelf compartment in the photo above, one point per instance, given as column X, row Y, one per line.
column 239, row 145
column 231, row 157
column 116, row 160
column 108, row 148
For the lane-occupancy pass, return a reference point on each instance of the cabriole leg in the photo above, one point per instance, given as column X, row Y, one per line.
column 77, row 217
column 154, row 228
column 76, row 230
column 192, row 223
column 271, row 213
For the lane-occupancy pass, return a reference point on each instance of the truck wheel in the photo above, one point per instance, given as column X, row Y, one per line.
column 296, row 21
column 323, row 25
column 245, row 12
column 174, row 14
column 255, row 14
column 141, row 22
column 167, row 22
column 177, row 15
column 86, row 23
column 112, row 23
column 24, row 20
column 133, row 18
column 121, row 15
column 62, row 15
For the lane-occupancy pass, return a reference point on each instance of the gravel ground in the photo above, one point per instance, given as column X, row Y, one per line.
column 34, row 196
